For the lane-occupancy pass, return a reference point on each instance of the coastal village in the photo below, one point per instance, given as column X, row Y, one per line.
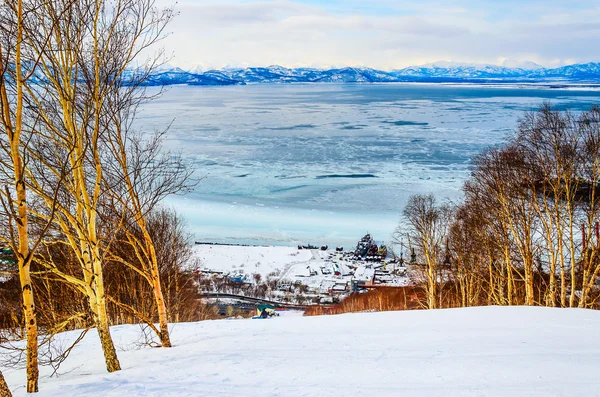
column 244, row 276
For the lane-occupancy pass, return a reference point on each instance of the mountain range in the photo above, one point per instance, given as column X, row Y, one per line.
column 442, row 72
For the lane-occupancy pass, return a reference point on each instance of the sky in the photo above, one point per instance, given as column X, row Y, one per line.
column 382, row 34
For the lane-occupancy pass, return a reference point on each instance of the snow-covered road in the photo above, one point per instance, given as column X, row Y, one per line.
column 489, row 351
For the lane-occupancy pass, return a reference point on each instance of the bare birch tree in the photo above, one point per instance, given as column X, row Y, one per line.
column 14, row 199
column 130, row 293
column 550, row 143
column 89, row 52
column 469, row 255
column 563, row 149
column 139, row 174
column 501, row 180
column 70, row 104
column 537, row 199
column 428, row 225
column 146, row 176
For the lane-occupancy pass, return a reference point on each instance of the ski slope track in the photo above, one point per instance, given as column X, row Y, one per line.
column 485, row 351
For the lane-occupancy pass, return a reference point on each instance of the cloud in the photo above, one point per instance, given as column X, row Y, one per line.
column 383, row 34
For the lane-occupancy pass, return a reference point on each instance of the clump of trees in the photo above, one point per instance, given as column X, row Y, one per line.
column 380, row 299
column 527, row 232
column 81, row 224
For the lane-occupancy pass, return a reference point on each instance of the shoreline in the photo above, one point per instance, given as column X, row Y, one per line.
column 230, row 244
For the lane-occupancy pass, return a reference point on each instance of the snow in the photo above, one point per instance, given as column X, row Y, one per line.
column 509, row 70
column 314, row 268
column 364, row 273
column 262, row 260
column 487, row 351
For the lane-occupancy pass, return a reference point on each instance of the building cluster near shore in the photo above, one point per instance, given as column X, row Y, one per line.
column 301, row 276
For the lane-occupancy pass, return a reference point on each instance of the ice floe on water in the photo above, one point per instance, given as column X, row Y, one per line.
column 326, row 163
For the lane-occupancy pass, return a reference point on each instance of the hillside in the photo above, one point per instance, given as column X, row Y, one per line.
column 490, row 351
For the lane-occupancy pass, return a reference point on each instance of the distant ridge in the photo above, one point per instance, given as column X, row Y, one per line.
column 437, row 72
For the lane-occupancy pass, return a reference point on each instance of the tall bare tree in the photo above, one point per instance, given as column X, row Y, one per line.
column 501, row 179
column 550, row 143
column 469, row 256
column 428, row 225
column 130, row 293
column 537, row 198
column 562, row 149
column 139, row 173
column 88, row 55
column 146, row 176
column 14, row 199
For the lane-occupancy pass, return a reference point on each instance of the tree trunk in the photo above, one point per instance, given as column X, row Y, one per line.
column 32, row 337
column 94, row 282
column 165, row 339
column 551, row 293
column 22, row 253
column 25, row 279
column 561, row 258
column 551, row 299
column 563, row 285
column 573, row 272
column 432, row 287
column 108, row 347
column 101, row 320
column 4, row 390
column 492, row 287
column 509, row 276
column 529, row 293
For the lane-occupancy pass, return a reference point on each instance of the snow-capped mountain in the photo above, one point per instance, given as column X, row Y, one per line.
column 180, row 76
column 458, row 71
column 436, row 72
column 586, row 71
column 531, row 72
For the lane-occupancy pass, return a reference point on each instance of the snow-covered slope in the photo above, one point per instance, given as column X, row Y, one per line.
column 488, row 351
column 436, row 72
column 248, row 259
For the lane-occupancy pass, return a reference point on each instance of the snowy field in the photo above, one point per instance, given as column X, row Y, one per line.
column 249, row 260
column 318, row 270
column 475, row 352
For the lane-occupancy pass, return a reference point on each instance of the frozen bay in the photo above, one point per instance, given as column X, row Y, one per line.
column 325, row 163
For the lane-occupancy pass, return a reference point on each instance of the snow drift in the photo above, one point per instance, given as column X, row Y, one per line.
column 486, row 351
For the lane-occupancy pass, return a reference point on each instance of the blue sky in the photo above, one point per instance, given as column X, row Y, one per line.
column 382, row 34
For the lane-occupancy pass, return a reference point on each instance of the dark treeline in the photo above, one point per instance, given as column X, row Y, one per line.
column 527, row 232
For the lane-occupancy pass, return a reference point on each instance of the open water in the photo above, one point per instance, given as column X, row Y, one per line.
column 325, row 163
